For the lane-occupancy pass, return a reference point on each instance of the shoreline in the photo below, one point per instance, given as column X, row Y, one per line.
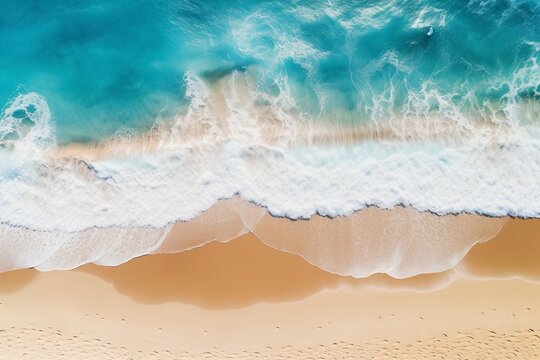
column 345, row 239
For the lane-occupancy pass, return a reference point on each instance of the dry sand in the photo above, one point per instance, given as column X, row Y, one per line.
column 243, row 299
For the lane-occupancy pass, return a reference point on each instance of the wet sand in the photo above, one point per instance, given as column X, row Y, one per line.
column 243, row 299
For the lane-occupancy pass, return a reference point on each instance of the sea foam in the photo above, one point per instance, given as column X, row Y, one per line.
column 113, row 202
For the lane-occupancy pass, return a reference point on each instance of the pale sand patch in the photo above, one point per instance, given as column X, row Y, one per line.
column 477, row 344
column 245, row 300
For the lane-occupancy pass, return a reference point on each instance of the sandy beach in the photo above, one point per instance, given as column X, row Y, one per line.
column 302, row 180
column 245, row 300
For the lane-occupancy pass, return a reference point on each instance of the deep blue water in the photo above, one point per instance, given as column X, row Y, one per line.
column 117, row 64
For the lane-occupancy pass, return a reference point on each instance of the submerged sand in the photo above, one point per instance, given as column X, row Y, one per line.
column 245, row 300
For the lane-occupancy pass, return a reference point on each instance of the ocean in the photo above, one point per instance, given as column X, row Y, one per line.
column 105, row 66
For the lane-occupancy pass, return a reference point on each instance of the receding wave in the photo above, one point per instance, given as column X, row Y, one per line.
column 401, row 242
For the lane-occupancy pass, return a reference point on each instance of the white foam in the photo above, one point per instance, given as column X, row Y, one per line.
column 51, row 204
column 26, row 125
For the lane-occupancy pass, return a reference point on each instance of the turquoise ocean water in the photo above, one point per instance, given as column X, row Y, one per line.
column 105, row 66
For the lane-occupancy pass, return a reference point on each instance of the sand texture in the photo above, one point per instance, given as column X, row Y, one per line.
column 28, row 343
column 245, row 300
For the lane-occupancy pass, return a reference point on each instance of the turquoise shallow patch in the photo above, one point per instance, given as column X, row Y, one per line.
column 104, row 66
